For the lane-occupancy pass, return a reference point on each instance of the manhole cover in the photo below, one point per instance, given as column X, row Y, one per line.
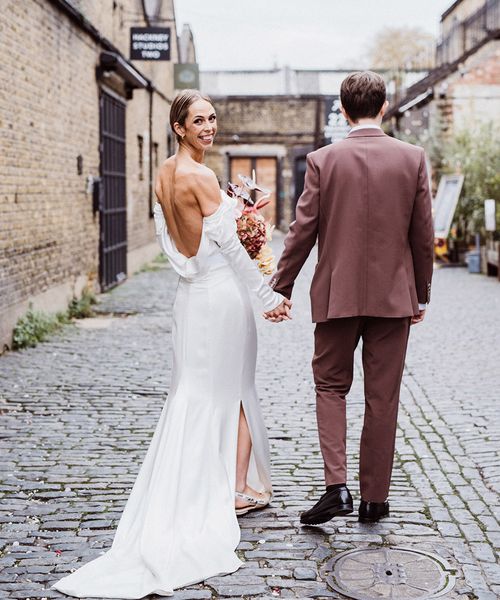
column 399, row 573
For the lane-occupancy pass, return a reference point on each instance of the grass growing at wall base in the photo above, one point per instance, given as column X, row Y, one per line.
column 35, row 326
column 82, row 307
column 156, row 264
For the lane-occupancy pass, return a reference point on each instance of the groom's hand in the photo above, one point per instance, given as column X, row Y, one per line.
column 418, row 318
column 280, row 313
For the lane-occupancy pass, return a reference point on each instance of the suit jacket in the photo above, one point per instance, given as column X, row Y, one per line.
column 366, row 200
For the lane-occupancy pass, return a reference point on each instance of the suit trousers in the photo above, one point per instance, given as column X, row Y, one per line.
column 384, row 349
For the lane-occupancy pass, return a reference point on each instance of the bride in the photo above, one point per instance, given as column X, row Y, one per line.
column 208, row 459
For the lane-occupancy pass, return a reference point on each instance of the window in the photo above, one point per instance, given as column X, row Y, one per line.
column 155, row 154
column 140, row 149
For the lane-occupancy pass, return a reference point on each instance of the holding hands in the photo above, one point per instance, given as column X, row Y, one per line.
column 418, row 318
column 280, row 313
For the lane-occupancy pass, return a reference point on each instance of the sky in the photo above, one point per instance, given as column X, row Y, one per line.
column 302, row 34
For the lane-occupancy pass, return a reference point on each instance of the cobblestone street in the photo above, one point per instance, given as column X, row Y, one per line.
column 78, row 412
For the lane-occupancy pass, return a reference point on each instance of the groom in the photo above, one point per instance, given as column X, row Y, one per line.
column 366, row 201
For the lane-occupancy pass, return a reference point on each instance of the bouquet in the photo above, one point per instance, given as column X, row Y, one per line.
column 253, row 230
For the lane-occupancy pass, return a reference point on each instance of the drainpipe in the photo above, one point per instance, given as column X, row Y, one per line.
column 150, row 191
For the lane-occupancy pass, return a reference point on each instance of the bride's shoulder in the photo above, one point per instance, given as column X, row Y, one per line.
column 205, row 176
column 203, row 182
column 166, row 168
column 196, row 176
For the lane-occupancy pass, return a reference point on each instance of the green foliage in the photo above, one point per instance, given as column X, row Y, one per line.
column 63, row 318
column 35, row 326
column 149, row 267
column 476, row 154
column 82, row 307
column 155, row 264
column 161, row 258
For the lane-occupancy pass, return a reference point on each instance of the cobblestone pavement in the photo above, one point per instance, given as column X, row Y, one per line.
column 78, row 412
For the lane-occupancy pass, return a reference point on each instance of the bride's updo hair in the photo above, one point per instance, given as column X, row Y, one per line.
column 180, row 107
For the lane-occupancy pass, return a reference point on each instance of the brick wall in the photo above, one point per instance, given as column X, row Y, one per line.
column 279, row 126
column 475, row 89
column 140, row 226
column 468, row 96
column 48, row 235
column 49, row 116
column 280, row 117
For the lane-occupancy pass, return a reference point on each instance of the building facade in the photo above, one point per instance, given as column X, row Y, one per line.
column 83, row 131
column 464, row 88
column 269, row 120
column 269, row 136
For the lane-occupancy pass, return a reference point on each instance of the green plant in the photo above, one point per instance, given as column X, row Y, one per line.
column 148, row 268
column 82, row 307
column 161, row 258
column 476, row 154
column 155, row 264
column 35, row 326
column 63, row 318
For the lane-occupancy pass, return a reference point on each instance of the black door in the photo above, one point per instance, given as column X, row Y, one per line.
column 113, row 205
column 299, row 178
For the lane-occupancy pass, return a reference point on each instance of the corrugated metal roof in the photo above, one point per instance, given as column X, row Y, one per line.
column 241, row 83
column 285, row 82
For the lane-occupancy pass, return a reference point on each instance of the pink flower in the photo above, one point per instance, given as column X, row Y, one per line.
column 252, row 229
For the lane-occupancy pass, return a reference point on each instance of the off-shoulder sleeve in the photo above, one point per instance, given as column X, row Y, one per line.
column 160, row 227
column 220, row 227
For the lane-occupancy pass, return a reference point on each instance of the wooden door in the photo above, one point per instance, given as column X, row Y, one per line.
column 266, row 176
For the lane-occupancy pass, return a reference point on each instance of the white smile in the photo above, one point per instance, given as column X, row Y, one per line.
column 207, row 138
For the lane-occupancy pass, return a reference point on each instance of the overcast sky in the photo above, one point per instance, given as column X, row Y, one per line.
column 321, row 34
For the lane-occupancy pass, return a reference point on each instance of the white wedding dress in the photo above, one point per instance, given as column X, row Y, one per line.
column 179, row 525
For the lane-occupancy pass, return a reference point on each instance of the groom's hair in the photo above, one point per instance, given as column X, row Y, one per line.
column 362, row 94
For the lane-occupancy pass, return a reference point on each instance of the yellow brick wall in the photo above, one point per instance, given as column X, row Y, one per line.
column 265, row 126
column 49, row 115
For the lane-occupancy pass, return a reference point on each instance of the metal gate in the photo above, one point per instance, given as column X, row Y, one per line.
column 113, row 198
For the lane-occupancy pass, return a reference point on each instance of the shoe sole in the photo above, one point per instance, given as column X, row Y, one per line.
column 338, row 511
column 368, row 520
column 243, row 511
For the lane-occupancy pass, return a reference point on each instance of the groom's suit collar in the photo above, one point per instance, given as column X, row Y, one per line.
column 372, row 131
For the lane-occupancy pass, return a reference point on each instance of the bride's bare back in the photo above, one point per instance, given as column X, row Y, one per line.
column 186, row 191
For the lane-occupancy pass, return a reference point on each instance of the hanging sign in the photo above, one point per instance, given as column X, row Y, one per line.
column 490, row 216
column 186, row 75
column 150, row 43
column 445, row 203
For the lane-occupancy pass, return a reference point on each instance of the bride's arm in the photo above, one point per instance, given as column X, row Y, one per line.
column 221, row 228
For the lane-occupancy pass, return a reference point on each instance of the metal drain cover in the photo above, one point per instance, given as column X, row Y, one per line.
column 377, row 573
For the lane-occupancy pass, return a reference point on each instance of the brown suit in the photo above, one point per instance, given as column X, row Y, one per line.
column 366, row 201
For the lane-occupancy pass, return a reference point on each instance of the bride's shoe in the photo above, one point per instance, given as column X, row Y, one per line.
column 254, row 503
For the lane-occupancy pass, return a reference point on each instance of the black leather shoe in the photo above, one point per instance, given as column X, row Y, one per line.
column 371, row 512
column 333, row 503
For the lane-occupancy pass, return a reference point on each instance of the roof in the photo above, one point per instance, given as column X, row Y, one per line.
column 283, row 81
column 450, row 9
